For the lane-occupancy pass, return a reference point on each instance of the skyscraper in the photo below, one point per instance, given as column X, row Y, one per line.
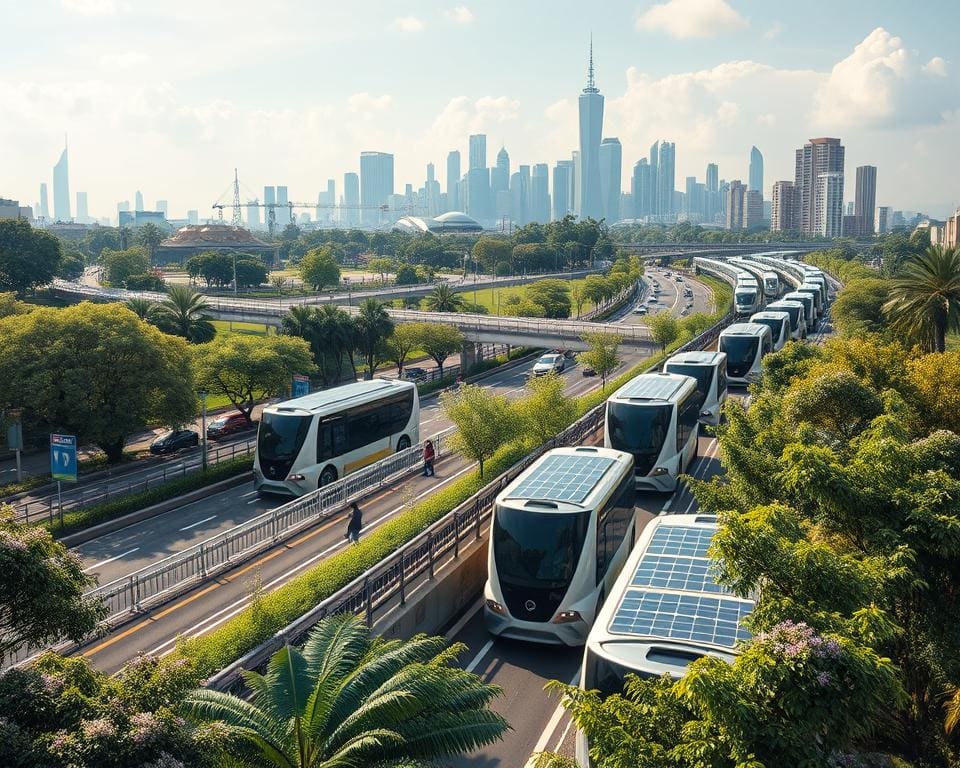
column 269, row 201
column 540, row 193
column 500, row 174
column 640, row 188
column 478, row 151
column 735, row 201
column 520, row 195
column 752, row 209
column 453, row 180
column 350, row 214
column 61, row 187
column 756, row 171
column 817, row 156
column 253, row 214
column 575, row 182
column 665, row 183
column 376, row 183
column 44, row 211
column 828, row 218
column 82, row 214
column 138, row 201
column 712, row 204
column 284, row 212
column 591, row 129
column 713, row 178
column 478, row 204
column 562, row 173
column 883, row 220
column 866, row 199
column 162, row 206
column 611, row 163
column 785, row 209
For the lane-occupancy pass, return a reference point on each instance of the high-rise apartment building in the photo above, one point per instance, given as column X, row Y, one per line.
column 611, row 163
column 816, row 157
column 453, row 180
column 828, row 218
column 83, row 215
column 61, row 188
column 866, row 199
column 575, row 182
column 665, row 181
column 540, row 193
column 162, row 206
column 756, row 171
column 640, row 189
column 253, row 214
column 785, row 209
column 713, row 177
column 376, row 184
column 562, row 173
column 350, row 213
column 138, row 201
column 478, row 151
column 500, row 174
column 193, row 216
column 44, row 211
column 591, row 129
column 883, row 220
column 735, row 201
column 284, row 211
column 752, row 209
column 478, row 203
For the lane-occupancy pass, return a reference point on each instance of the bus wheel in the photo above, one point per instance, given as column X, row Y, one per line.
column 329, row 475
column 403, row 443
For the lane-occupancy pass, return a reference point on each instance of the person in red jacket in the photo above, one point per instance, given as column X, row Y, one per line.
column 428, row 456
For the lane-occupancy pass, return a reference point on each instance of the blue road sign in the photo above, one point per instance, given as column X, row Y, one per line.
column 301, row 385
column 63, row 457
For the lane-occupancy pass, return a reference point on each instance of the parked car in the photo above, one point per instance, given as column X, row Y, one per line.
column 175, row 440
column 415, row 374
column 227, row 424
column 548, row 364
column 588, row 371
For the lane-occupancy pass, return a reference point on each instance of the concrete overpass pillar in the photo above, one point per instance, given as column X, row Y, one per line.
column 468, row 356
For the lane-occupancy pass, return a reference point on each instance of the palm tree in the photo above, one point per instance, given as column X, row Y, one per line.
column 183, row 313
column 924, row 301
column 443, row 299
column 349, row 700
column 373, row 326
column 299, row 321
column 143, row 308
column 336, row 328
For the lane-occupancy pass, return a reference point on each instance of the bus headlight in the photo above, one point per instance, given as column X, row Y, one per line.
column 567, row 617
column 660, row 471
column 296, row 478
column 494, row 606
column 705, row 414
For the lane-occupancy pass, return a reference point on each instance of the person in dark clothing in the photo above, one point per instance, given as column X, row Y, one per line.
column 428, row 456
column 355, row 525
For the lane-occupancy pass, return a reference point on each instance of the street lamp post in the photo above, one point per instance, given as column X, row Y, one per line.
column 203, row 427
column 234, row 274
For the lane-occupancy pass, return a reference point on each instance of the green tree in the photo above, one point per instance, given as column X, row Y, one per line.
column 546, row 409
column 71, row 266
column 245, row 369
column 373, row 327
column 443, row 299
column 858, row 308
column 184, row 313
column 214, row 267
column 523, row 307
column 145, row 309
column 149, row 236
column 489, row 250
column 401, row 343
column 119, row 265
column 42, row 586
column 280, row 283
column 438, row 341
column 484, row 421
column 552, row 295
column 319, row 268
column 602, row 354
column 664, row 328
column 96, row 371
column 598, row 289
column 9, row 305
column 299, row 321
column 380, row 266
column 28, row 257
column 348, row 700
column 834, row 402
column 407, row 275
column 336, row 331
column 924, row 301
column 577, row 298
column 251, row 272
column 697, row 323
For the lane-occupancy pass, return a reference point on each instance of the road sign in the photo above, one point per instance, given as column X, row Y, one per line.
column 63, row 457
column 301, row 385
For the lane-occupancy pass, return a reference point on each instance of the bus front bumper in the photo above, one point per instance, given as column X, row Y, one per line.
column 573, row 633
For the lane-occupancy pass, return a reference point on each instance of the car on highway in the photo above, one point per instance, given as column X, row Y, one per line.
column 639, row 310
column 549, row 363
column 227, row 424
column 175, row 440
column 652, row 300
column 415, row 374
column 679, row 279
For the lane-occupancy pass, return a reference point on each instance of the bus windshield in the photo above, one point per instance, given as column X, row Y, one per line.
column 538, row 550
column 281, row 436
column 794, row 313
column 702, row 374
column 775, row 326
column 741, row 352
column 640, row 430
column 746, row 297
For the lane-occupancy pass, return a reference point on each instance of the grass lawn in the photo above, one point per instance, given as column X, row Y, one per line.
column 229, row 327
column 487, row 297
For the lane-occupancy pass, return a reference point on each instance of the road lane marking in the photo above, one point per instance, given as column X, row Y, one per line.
column 199, row 522
column 479, row 657
column 551, row 727
column 457, row 628
column 556, row 747
column 110, row 560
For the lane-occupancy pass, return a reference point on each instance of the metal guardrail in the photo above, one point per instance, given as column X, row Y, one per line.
column 387, row 582
column 80, row 497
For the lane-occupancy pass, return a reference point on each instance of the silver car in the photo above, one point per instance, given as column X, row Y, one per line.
column 549, row 363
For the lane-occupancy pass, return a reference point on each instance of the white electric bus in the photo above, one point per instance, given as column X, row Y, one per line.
column 308, row 442
column 813, row 291
column 747, row 297
column 808, row 306
column 798, row 318
column 745, row 345
column 665, row 611
column 709, row 370
column 561, row 532
column 821, row 282
column 778, row 322
column 655, row 417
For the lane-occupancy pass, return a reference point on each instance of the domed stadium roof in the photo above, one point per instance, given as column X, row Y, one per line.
column 450, row 222
column 221, row 235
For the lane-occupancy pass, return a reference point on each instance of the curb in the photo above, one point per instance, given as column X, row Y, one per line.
column 95, row 531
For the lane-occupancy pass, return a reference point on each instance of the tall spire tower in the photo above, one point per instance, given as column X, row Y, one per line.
column 591, row 132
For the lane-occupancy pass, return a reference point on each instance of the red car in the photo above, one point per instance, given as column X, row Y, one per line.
column 226, row 424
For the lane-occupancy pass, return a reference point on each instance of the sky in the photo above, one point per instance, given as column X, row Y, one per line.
column 169, row 97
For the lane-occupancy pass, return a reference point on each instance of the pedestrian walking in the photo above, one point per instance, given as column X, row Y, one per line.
column 355, row 524
column 428, row 456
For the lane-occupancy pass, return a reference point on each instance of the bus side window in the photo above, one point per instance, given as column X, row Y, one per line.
column 613, row 525
column 687, row 414
column 331, row 439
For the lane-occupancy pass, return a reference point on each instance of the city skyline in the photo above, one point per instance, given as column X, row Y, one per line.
column 712, row 101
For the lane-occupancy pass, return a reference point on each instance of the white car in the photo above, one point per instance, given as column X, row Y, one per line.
column 548, row 364
column 652, row 300
column 639, row 310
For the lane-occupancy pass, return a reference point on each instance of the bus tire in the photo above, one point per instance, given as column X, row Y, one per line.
column 403, row 443
column 329, row 475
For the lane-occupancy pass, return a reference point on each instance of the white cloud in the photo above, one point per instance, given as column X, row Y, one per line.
column 767, row 118
column 460, row 14
column 408, row 24
column 93, row 7
column 773, row 31
column 365, row 103
column 684, row 19
column 882, row 84
column 122, row 61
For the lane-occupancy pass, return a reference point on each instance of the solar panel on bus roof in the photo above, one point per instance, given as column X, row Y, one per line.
column 701, row 619
column 563, row 478
column 687, row 574
column 689, row 540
